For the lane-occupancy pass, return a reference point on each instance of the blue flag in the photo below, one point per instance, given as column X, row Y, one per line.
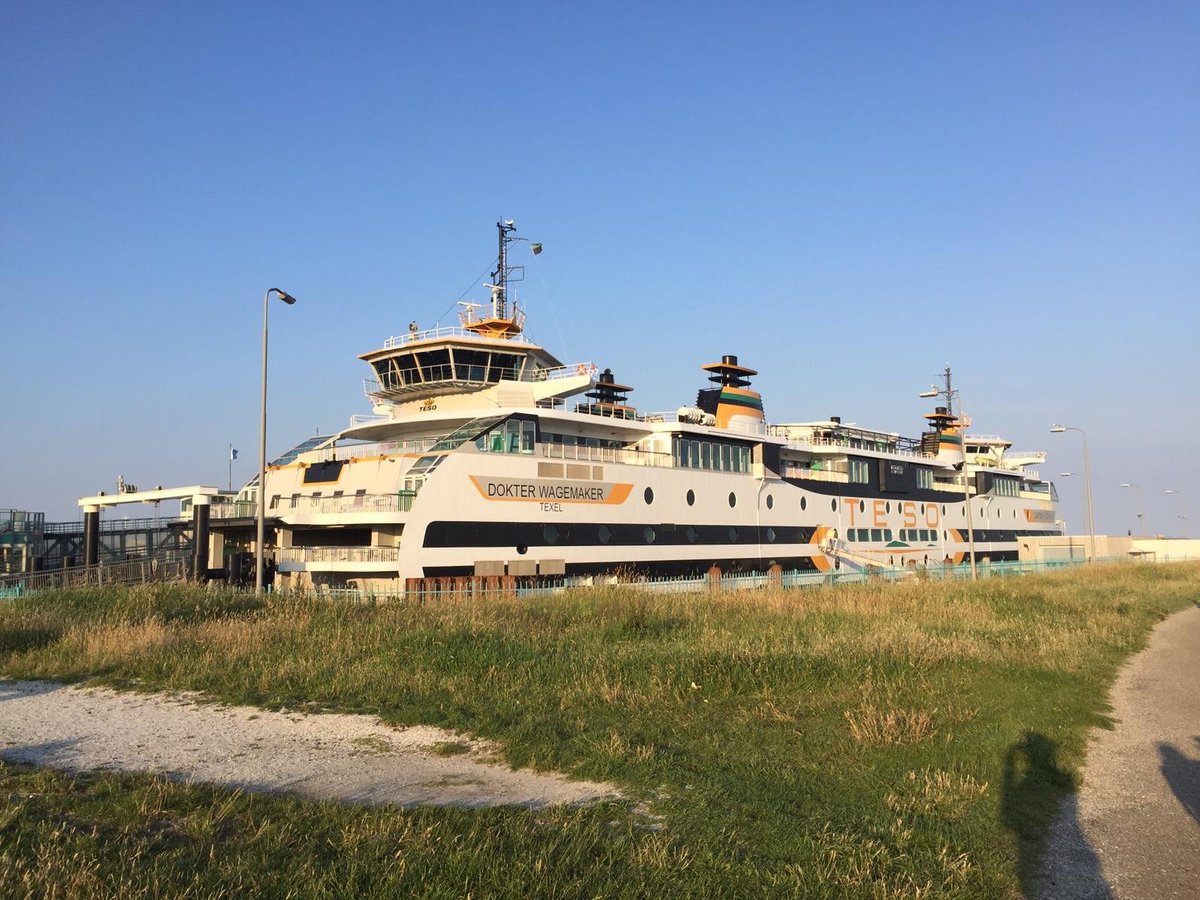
column 232, row 454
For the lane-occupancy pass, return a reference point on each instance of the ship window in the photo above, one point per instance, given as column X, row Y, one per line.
column 924, row 477
column 860, row 471
column 691, row 534
column 295, row 500
column 803, row 503
column 550, row 533
column 528, row 432
column 522, row 549
column 693, row 448
column 862, row 505
column 732, row 499
column 605, row 534
column 691, row 498
column 887, row 508
column 877, row 534
column 770, row 502
column 706, row 455
column 726, row 458
column 733, row 535
column 770, row 535
column 648, row 534
column 649, row 496
column 887, row 535
column 833, row 505
column 274, row 501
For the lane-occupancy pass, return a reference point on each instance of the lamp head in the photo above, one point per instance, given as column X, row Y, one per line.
column 1057, row 429
column 929, row 393
column 285, row 297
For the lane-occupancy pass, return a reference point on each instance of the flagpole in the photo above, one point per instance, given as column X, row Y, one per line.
column 230, row 486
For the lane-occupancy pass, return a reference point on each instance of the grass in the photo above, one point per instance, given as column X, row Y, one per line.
column 907, row 740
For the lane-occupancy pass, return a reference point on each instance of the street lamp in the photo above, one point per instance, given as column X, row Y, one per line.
column 950, row 393
column 1140, row 508
column 262, row 444
column 1087, row 477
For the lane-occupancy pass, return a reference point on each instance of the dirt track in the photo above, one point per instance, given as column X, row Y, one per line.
column 330, row 757
column 1133, row 832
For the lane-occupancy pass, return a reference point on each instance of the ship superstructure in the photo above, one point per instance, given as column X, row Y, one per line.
column 476, row 462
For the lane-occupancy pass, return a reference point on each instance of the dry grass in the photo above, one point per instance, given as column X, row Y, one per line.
column 822, row 742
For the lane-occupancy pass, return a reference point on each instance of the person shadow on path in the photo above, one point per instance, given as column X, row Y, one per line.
column 1182, row 776
column 1039, row 805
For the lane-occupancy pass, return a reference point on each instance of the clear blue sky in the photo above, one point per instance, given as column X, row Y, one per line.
column 846, row 196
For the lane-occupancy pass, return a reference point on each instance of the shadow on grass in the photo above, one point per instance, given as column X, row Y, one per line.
column 1039, row 806
column 1182, row 776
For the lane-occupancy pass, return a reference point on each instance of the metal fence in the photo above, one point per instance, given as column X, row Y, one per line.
column 166, row 567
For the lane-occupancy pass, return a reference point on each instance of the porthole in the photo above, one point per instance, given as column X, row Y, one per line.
column 803, row 503
column 691, row 498
column 833, row 505
column 604, row 533
column 770, row 502
column 732, row 499
column 770, row 535
column 887, row 508
column 943, row 509
column 648, row 534
column 550, row 533
column 733, row 535
column 522, row 549
column 922, row 509
column 945, row 536
column 649, row 495
column 862, row 505
column 691, row 534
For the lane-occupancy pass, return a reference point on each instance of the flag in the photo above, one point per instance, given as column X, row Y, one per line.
column 536, row 248
column 232, row 454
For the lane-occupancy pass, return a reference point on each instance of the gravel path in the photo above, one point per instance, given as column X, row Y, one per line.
column 1133, row 832
column 350, row 758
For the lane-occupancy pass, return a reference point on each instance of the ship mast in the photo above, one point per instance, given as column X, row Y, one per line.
column 506, row 320
column 500, row 276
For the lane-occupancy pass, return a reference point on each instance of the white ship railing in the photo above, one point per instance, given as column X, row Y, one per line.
column 361, row 451
column 338, row 554
column 447, row 331
column 350, row 503
column 583, row 453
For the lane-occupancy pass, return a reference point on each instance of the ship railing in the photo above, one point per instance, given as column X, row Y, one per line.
column 814, row 474
column 583, row 453
column 802, row 444
column 366, row 451
column 401, row 501
column 233, row 509
column 338, row 554
column 358, row 419
column 447, row 331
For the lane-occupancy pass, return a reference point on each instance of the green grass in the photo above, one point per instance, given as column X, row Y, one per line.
column 879, row 740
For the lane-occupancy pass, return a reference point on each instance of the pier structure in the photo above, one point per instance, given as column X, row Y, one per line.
column 199, row 498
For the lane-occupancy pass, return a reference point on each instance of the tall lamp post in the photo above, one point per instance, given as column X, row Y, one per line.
column 262, row 444
column 950, row 393
column 1087, row 478
column 1140, row 507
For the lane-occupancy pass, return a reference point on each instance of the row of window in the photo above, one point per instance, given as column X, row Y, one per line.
column 909, row 535
column 689, row 454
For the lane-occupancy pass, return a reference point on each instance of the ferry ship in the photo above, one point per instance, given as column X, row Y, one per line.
column 486, row 455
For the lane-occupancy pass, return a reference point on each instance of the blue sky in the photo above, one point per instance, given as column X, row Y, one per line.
column 846, row 196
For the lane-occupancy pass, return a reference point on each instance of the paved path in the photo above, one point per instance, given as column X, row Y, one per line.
column 351, row 758
column 1133, row 832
